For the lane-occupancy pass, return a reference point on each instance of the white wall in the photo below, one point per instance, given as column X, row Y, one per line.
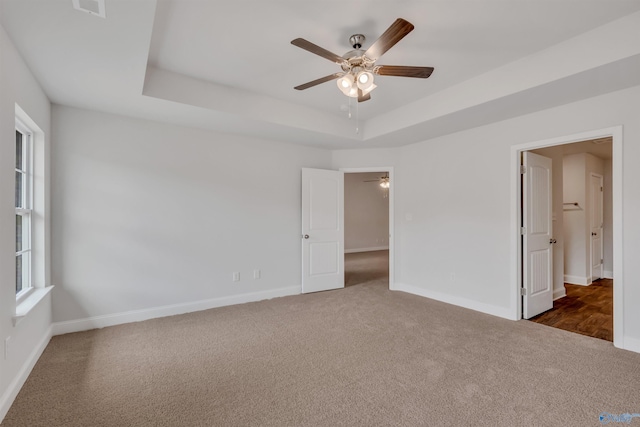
column 577, row 173
column 575, row 219
column 453, row 204
column 366, row 212
column 27, row 338
column 152, row 219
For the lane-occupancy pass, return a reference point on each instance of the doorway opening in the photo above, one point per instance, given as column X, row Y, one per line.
column 368, row 225
column 323, row 230
column 605, row 235
column 366, row 228
column 582, row 267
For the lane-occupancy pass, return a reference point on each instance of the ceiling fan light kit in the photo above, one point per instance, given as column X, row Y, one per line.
column 357, row 77
column 359, row 67
column 384, row 181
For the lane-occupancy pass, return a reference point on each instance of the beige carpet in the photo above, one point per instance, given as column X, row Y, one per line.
column 366, row 268
column 360, row 356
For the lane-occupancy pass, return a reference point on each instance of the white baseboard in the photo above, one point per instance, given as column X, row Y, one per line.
column 607, row 274
column 14, row 388
column 631, row 344
column 371, row 249
column 577, row 280
column 503, row 312
column 559, row 293
column 95, row 322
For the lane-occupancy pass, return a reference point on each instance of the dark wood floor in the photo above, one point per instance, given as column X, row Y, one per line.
column 586, row 310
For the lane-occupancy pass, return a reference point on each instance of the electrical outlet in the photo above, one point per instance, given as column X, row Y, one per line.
column 236, row 276
column 256, row 274
column 453, row 277
column 6, row 347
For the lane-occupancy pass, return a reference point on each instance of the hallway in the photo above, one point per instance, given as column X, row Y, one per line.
column 366, row 267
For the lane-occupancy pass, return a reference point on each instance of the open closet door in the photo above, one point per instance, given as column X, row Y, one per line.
column 597, row 213
column 322, row 230
column 537, row 237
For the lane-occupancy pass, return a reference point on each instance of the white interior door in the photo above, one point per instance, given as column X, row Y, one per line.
column 322, row 230
column 537, row 237
column 596, row 225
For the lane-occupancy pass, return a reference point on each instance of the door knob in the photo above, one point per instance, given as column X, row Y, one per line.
column 306, row 236
column 551, row 241
column 594, row 234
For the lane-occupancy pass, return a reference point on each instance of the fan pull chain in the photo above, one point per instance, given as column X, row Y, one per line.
column 357, row 117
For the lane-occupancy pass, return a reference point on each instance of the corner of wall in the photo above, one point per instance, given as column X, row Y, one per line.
column 11, row 392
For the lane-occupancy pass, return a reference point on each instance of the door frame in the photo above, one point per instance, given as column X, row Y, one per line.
column 618, row 224
column 389, row 170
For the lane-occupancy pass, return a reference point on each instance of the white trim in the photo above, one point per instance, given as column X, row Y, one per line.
column 559, row 293
column 26, row 208
column 95, row 322
column 372, row 249
column 504, row 312
column 392, row 183
column 23, row 295
column 616, row 133
column 516, row 244
column 607, row 274
column 631, row 344
column 29, row 303
column 38, row 199
column 577, row 280
column 14, row 388
column 618, row 233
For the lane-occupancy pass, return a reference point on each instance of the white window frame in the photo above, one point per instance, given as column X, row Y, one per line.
column 26, row 211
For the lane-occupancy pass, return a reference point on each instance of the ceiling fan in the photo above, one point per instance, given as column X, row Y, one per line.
column 384, row 180
column 359, row 66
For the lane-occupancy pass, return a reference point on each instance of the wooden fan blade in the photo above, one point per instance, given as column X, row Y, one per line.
column 404, row 71
column 362, row 97
column 313, row 48
column 389, row 38
column 318, row 81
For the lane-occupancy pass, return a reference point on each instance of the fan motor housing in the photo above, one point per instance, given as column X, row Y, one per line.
column 357, row 40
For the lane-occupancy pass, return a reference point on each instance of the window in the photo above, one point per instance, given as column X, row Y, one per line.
column 24, row 201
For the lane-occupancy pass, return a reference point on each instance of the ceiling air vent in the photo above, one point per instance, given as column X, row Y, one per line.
column 92, row 7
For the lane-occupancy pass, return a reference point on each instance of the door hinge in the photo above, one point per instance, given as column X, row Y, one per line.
column 600, row 188
column 523, row 230
column 601, row 261
column 523, row 169
column 523, row 291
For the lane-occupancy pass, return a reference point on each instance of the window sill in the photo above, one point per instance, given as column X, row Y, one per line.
column 29, row 303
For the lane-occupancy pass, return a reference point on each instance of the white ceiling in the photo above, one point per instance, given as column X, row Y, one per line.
column 229, row 66
column 602, row 148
